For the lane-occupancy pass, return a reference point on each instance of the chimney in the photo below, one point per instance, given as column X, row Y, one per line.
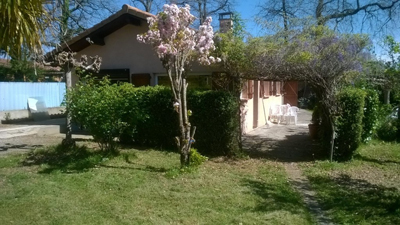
column 225, row 22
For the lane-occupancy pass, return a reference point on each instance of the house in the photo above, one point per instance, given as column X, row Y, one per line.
column 127, row 60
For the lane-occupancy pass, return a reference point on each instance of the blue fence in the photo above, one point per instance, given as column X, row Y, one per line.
column 14, row 95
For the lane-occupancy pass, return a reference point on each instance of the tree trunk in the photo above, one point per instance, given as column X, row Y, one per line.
column 238, row 91
column 184, row 140
column 285, row 18
column 386, row 96
column 68, row 141
column 185, row 157
column 318, row 12
column 332, row 142
column 398, row 123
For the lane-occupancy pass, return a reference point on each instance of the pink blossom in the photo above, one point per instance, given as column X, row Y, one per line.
column 171, row 36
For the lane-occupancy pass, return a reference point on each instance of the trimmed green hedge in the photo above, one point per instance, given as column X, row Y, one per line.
column 214, row 115
column 145, row 116
column 371, row 113
column 158, row 124
column 349, row 123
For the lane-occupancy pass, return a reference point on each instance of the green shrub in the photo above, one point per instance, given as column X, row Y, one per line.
column 349, row 123
column 387, row 131
column 196, row 159
column 145, row 116
column 100, row 108
column 387, row 126
column 215, row 115
column 308, row 102
column 158, row 122
column 371, row 113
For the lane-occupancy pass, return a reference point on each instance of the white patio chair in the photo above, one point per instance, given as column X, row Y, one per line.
column 285, row 110
column 292, row 112
column 275, row 113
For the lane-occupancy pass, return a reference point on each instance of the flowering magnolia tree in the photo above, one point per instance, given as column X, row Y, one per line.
column 178, row 45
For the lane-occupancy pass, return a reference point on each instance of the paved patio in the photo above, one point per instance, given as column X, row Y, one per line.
column 281, row 142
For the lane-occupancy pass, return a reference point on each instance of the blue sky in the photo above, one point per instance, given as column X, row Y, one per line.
column 248, row 11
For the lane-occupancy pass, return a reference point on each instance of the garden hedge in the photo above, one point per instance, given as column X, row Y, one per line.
column 145, row 116
column 371, row 113
column 349, row 123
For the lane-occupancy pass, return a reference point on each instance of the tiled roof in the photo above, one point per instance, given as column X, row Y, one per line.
column 127, row 15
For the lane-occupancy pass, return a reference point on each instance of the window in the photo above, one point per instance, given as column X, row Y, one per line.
column 248, row 89
column 202, row 82
column 276, row 88
column 114, row 75
column 141, row 79
column 264, row 89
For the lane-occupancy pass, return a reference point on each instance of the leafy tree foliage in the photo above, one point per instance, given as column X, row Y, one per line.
column 21, row 25
column 233, row 51
column 392, row 68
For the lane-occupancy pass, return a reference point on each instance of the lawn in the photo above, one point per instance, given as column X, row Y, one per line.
column 143, row 187
column 365, row 190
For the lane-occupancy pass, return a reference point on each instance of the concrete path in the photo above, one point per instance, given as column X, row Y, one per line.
column 25, row 136
column 45, row 127
column 289, row 144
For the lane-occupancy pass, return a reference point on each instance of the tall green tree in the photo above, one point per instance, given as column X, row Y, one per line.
column 392, row 68
column 233, row 51
column 21, row 25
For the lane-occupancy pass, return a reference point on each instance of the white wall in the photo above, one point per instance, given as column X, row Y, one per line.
column 257, row 109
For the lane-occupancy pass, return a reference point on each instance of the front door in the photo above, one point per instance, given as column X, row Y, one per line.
column 291, row 88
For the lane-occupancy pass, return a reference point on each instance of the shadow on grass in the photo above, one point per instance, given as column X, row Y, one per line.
column 124, row 146
column 145, row 168
column 378, row 161
column 276, row 197
column 8, row 146
column 355, row 201
column 296, row 147
column 66, row 160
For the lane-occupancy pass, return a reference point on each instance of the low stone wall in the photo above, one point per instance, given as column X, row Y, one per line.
column 25, row 115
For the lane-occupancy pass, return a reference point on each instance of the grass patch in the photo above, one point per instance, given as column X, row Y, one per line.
column 365, row 190
column 143, row 187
